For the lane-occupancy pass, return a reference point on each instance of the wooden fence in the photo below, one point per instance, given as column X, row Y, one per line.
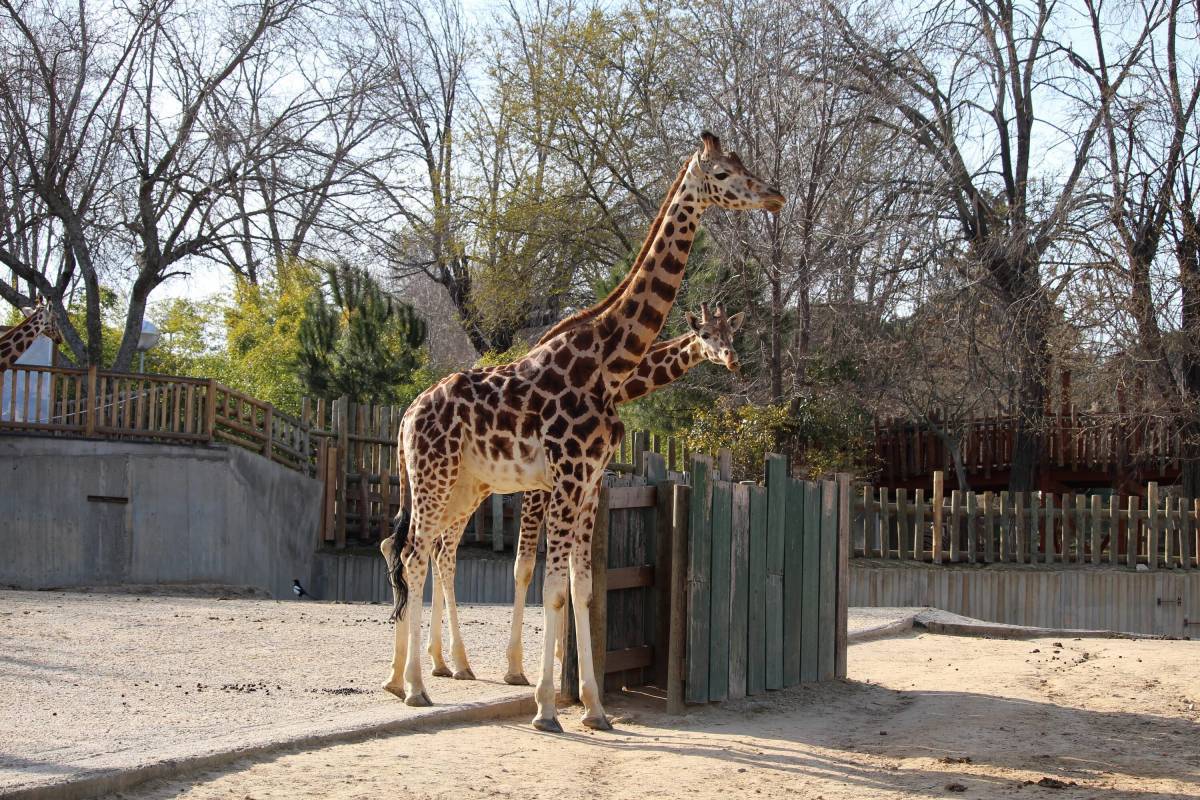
column 1036, row 527
column 91, row 402
column 716, row 590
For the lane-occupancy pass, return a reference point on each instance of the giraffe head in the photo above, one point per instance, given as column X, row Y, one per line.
column 714, row 332
column 41, row 315
column 727, row 182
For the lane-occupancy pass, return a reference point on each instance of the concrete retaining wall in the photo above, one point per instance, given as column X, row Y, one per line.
column 481, row 577
column 1163, row 602
column 86, row 513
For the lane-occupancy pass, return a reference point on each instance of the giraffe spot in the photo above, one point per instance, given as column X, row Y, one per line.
column 557, row 428
column 669, row 229
column 552, row 381
column 661, row 376
column 572, row 448
column 629, row 308
column 562, row 358
column 681, row 218
column 639, row 285
column 585, row 427
column 529, row 425
column 651, row 317
column 620, row 364
column 584, row 339
column 660, row 245
column 501, row 447
column 506, row 421
column 671, row 264
column 662, row 289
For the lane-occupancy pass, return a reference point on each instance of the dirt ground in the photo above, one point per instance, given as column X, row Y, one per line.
column 921, row 716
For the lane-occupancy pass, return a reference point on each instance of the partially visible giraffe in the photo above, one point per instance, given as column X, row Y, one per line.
column 39, row 321
column 547, row 421
column 710, row 338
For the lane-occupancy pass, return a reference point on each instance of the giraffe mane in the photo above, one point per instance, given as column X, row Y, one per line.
column 587, row 314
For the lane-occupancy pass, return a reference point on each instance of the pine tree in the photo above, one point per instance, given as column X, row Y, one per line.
column 356, row 340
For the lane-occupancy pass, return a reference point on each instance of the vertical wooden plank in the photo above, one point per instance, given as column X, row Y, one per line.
column 1153, row 525
column 827, row 587
column 1097, row 528
column 343, row 456
column 989, row 527
column 496, row 503
column 814, row 511
column 938, row 482
column 739, row 596
column 598, row 608
column 868, row 528
column 331, row 479
column 1187, row 533
column 699, row 564
column 1114, row 528
column 793, row 579
column 955, row 524
column 1132, row 537
column 664, row 514
column 1080, row 537
column 1020, row 533
column 718, row 638
column 972, row 527
column 756, row 655
column 776, row 514
column 918, row 535
column 885, row 528
column 903, row 536
column 843, row 571
column 725, row 464
column 681, row 510
column 1007, row 551
column 1049, row 536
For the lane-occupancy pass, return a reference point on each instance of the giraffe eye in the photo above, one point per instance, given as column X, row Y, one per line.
column 721, row 176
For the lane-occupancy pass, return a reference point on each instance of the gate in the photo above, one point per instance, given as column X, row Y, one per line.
column 715, row 590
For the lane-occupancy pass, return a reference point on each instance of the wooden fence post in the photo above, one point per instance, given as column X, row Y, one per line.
column 598, row 607
column 497, row 502
column 93, row 400
column 843, row 571
column 664, row 546
column 676, row 642
column 939, row 478
column 1152, row 527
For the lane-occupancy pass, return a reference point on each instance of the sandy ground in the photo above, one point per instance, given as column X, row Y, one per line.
column 922, row 716
column 94, row 681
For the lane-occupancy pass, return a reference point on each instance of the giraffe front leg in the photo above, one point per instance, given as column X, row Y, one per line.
column 416, row 564
column 581, row 601
column 554, row 601
column 458, row 651
column 395, row 681
column 532, row 513
column 440, row 670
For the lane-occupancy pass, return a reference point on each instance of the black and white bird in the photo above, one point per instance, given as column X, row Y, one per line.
column 298, row 590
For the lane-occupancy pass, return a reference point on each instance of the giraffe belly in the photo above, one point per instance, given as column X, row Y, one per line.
column 504, row 475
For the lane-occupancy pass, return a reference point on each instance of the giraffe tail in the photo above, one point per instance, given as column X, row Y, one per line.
column 393, row 546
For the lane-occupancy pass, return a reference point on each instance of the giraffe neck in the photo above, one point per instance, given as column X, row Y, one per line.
column 666, row 363
column 16, row 341
column 634, row 319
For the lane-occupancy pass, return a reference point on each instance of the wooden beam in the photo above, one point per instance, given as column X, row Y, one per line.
column 628, row 658
column 630, row 577
column 632, row 497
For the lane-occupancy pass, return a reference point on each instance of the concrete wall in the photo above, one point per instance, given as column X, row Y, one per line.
column 88, row 513
column 1164, row 602
column 481, row 577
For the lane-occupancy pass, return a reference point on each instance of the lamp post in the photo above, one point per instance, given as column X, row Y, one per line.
column 148, row 338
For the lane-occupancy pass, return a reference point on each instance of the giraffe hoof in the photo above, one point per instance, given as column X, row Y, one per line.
column 420, row 700
column 548, row 725
column 396, row 690
column 599, row 723
column 464, row 675
column 516, row 679
column 443, row 672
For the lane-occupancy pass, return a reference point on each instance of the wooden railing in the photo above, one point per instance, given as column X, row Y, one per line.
column 1074, row 441
column 1027, row 528
column 166, row 408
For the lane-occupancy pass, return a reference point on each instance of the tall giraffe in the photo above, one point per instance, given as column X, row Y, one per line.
column 710, row 338
column 39, row 321
column 547, row 421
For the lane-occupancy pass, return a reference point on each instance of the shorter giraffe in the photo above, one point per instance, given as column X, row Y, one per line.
column 710, row 339
column 39, row 321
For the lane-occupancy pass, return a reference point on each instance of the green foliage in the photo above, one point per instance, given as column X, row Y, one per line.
column 748, row 431
column 356, row 341
column 192, row 341
column 493, row 358
column 828, row 432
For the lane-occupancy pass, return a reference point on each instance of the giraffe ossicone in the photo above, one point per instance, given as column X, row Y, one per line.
column 546, row 422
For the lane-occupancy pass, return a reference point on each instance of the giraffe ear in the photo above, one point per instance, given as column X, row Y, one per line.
column 27, row 310
column 710, row 145
column 736, row 320
column 692, row 322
